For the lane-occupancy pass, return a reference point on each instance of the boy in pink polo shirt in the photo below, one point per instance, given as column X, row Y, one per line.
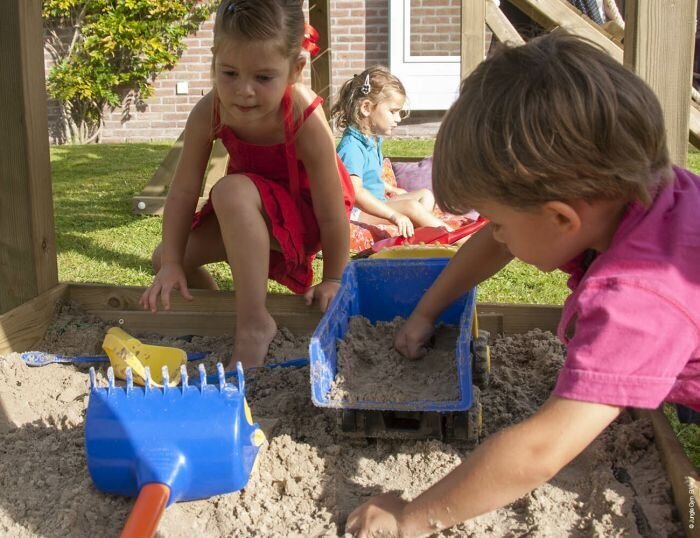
column 564, row 150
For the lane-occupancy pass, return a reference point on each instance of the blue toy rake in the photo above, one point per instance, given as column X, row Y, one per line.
column 168, row 444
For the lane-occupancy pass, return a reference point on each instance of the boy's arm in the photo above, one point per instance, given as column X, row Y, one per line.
column 505, row 467
column 476, row 260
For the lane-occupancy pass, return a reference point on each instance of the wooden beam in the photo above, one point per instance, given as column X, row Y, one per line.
column 659, row 44
column 320, row 18
column 473, row 36
column 559, row 13
column 151, row 200
column 22, row 327
column 27, row 240
column 501, row 27
column 680, row 471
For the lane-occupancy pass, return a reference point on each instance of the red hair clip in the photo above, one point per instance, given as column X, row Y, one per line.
column 310, row 42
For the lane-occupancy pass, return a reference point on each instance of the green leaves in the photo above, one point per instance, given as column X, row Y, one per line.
column 106, row 49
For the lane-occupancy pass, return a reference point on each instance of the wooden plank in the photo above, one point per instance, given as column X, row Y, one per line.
column 494, row 317
column 22, row 327
column 163, row 176
column 151, row 200
column 27, row 240
column 154, row 205
column 216, row 169
column 473, row 35
column 694, row 126
column 200, row 323
column 518, row 318
column 552, row 13
column 319, row 18
column 659, row 43
column 681, row 472
column 502, row 28
column 121, row 298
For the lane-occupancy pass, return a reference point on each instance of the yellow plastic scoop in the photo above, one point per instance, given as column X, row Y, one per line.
column 417, row 251
column 125, row 351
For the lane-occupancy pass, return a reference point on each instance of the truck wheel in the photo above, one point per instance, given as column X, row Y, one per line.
column 481, row 360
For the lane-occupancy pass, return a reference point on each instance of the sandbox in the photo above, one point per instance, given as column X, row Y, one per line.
column 309, row 476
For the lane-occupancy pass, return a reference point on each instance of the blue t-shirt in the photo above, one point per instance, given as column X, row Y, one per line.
column 362, row 156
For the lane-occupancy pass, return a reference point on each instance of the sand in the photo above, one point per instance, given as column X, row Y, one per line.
column 370, row 369
column 309, row 476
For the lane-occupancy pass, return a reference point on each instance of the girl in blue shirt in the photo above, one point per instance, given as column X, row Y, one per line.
column 369, row 107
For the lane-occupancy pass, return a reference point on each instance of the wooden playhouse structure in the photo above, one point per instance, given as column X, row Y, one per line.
column 658, row 46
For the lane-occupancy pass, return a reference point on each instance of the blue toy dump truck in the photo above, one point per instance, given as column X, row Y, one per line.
column 380, row 290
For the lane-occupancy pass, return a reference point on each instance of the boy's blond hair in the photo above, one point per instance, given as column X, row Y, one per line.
column 554, row 119
column 374, row 84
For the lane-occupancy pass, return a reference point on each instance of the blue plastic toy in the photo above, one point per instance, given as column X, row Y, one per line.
column 168, row 444
column 380, row 290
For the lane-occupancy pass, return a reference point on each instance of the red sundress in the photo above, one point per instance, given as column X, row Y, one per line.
column 284, row 191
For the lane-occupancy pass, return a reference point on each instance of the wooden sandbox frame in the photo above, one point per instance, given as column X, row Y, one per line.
column 213, row 313
column 657, row 32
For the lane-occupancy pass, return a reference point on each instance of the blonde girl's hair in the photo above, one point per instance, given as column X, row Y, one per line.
column 281, row 21
column 554, row 119
column 375, row 84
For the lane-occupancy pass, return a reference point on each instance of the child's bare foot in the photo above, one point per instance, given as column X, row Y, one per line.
column 253, row 337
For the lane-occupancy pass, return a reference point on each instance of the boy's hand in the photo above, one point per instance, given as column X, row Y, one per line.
column 323, row 293
column 403, row 223
column 411, row 338
column 171, row 276
column 377, row 517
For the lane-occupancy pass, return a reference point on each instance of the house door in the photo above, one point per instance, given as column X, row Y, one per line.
column 424, row 48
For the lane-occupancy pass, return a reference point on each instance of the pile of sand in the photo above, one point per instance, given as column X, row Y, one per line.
column 370, row 369
column 309, row 477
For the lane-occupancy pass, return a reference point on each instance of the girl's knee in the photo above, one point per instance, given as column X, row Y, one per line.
column 234, row 191
column 427, row 197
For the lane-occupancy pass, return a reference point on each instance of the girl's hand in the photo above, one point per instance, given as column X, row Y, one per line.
column 399, row 190
column 403, row 223
column 323, row 292
column 171, row 276
column 380, row 516
column 411, row 338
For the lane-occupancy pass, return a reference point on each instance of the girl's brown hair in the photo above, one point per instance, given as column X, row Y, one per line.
column 261, row 20
column 374, row 83
column 554, row 119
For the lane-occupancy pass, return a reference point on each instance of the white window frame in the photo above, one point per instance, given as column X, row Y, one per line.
column 432, row 82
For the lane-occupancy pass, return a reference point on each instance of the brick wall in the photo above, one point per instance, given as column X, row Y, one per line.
column 435, row 27
column 360, row 37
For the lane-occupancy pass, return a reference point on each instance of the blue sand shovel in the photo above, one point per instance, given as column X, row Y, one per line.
column 40, row 358
column 167, row 444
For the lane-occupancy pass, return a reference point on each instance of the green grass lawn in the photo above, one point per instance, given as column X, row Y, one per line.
column 99, row 239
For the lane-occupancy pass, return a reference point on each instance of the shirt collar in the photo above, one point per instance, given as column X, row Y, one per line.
column 371, row 142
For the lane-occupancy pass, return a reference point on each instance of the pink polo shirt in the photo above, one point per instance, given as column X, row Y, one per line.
column 635, row 312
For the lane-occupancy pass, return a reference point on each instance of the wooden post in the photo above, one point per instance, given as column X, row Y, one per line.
column 473, row 35
column 659, row 43
column 27, row 241
column 319, row 18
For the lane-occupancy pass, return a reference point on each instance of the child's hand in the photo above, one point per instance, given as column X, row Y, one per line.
column 379, row 516
column 323, row 292
column 411, row 338
column 403, row 223
column 171, row 276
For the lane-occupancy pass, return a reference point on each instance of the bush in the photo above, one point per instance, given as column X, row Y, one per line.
column 104, row 50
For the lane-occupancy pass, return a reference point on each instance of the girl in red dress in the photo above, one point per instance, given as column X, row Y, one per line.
column 285, row 196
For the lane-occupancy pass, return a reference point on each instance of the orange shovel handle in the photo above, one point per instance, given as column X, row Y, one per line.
column 147, row 511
